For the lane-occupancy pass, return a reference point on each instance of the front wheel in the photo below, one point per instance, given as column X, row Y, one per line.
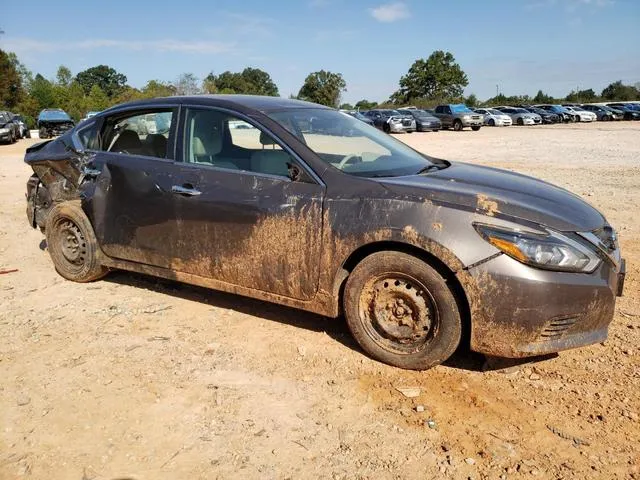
column 520, row 122
column 492, row 122
column 475, row 129
column 386, row 128
column 457, row 125
column 401, row 311
column 42, row 133
column 72, row 243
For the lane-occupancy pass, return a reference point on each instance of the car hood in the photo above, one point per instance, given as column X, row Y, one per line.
column 501, row 193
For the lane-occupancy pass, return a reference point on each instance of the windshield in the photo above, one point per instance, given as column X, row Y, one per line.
column 351, row 145
column 521, row 110
column 53, row 115
column 461, row 109
column 493, row 111
column 421, row 113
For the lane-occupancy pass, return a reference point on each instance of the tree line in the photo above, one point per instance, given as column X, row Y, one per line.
column 428, row 82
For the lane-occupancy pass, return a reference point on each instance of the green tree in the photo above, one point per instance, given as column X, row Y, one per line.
column 582, row 96
column 365, row 105
column 97, row 100
column 251, row 81
column 620, row 92
column 437, row 77
column 109, row 80
column 542, row 97
column 43, row 93
column 471, row 100
column 156, row 88
column 10, row 82
column 323, row 87
column 346, row 106
column 64, row 76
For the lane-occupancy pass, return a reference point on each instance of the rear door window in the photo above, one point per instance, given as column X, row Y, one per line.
column 148, row 134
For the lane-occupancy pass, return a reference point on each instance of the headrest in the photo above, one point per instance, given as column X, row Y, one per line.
column 266, row 139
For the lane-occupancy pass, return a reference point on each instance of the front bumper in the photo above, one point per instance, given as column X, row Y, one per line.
column 520, row 311
column 472, row 123
column 4, row 137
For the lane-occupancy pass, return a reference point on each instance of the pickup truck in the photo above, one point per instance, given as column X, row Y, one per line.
column 459, row 116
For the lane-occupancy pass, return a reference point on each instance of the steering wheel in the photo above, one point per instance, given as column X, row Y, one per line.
column 347, row 159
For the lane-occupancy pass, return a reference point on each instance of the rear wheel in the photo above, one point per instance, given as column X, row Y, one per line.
column 492, row 123
column 457, row 125
column 475, row 129
column 72, row 243
column 401, row 311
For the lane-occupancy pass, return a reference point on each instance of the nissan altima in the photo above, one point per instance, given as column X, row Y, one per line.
column 337, row 219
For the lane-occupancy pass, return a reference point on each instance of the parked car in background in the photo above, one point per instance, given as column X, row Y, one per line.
column 547, row 117
column 24, row 129
column 414, row 251
column 425, row 122
column 392, row 121
column 494, row 118
column 582, row 114
column 53, row 122
column 458, row 116
column 604, row 114
column 520, row 116
column 359, row 116
column 9, row 129
column 90, row 114
column 628, row 111
column 564, row 114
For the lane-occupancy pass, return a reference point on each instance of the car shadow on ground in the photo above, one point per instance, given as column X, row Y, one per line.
column 462, row 359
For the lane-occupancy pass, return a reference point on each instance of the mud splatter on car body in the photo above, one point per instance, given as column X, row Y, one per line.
column 295, row 241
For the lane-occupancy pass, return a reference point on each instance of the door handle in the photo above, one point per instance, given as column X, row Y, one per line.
column 186, row 190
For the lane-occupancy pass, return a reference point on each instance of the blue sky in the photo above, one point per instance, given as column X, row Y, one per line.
column 522, row 45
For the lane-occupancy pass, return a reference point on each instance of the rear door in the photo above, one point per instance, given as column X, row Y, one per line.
column 132, row 207
column 241, row 218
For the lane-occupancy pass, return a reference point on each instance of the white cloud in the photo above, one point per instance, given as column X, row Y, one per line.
column 390, row 12
column 28, row 45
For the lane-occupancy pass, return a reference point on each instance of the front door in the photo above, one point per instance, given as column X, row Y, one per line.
column 241, row 218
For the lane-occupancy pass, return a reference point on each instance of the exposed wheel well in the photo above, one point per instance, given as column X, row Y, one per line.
column 456, row 287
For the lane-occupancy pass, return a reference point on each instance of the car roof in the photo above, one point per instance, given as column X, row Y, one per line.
column 256, row 102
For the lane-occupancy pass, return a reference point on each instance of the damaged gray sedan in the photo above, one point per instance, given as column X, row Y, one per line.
column 238, row 194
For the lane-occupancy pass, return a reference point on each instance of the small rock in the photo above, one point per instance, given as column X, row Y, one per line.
column 420, row 408
column 431, row 424
column 409, row 392
column 445, row 447
column 302, row 350
column 628, row 351
column 470, row 461
column 23, row 400
column 534, row 376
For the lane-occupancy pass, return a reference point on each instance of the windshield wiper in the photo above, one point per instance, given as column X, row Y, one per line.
column 428, row 168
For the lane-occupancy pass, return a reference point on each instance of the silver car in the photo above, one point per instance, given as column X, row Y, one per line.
column 520, row 116
column 494, row 118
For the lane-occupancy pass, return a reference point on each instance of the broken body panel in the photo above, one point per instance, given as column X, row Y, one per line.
column 295, row 242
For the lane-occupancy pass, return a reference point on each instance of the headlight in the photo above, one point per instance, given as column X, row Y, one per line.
column 550, row 251
column 466, row 117
column 395, row 120
column 4, row 130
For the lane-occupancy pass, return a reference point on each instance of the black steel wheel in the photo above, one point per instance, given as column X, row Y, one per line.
column 401, row 311
column 72, row 244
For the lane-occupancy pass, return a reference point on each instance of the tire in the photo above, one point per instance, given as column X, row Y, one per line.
column 475, row 129
column 386, row 128
column 27, row 134
column 72, row 243
column 457, row 126
column 401, row 311
column 520, row 121
column 492, row 122
column 42, row 133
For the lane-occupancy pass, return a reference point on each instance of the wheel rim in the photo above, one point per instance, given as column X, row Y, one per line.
column 72, row 243
column 398, row 313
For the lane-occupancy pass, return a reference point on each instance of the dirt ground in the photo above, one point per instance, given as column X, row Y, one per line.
column 131, row 377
